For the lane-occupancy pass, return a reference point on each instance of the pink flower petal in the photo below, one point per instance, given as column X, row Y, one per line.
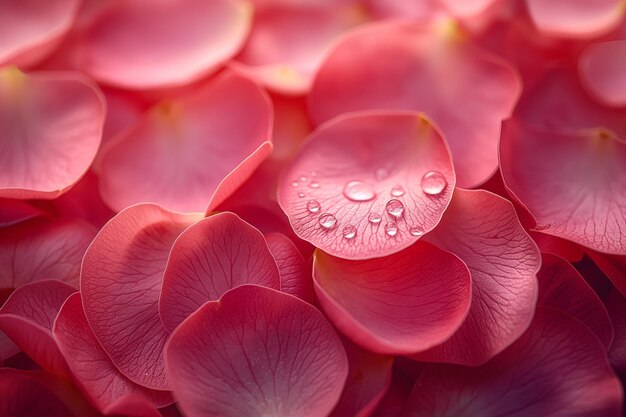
column 194, row 38
column 27, row 318
column 400, row 304
column 557, row 368
column 613, row 266
column 120, row 282
column 616, row 307
column 483, row 230
column 92, row 369
column 557, row 246
column 212, row 256
column 413, row 66
column 602, row 72
column 367, row 165
column 573, row 183
column 256, row 352
column 132, row 405
column 562, row 287
column 295, row 273
column 416, row 9
column 397, row 394
column 16, row 211
column 32, row 28
column 186, row 150
column 468, row 8
column 51, row 126
column 575, row 18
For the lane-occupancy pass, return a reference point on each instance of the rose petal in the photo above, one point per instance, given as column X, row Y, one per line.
column 256, row 352
column 601, row 68
column 467, row 8
column 16, row 211
column 483, row 230
column 194, row 38
column 211, row 257
column 416, row 9
column 379, row 153
column 92, row 369
column 614, row 267
column 413, row 66
column 400, row 304
column 121, row 279
column 184, row 151
column 557, row 368
column 397, row 394
column 557, row 246
column 132, row 405
column 51, row 126
column 616, row 307
column 562, row 287
column 295, row 274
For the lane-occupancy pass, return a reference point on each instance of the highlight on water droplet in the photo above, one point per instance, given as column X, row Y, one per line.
column 394, row 207
column 302, row 179
column 416, row 231
column 327, row 220
column 349, row 232
column 295, row 184
column 381, row 174
column 391, row 228
column 301, row 194
column 313, row 206
column 374, row 218
column 433, row 182
column 358, row 191
column 397, row 191
column 314, row 184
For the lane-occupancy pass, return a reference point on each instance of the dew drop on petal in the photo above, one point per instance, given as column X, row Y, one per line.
column 397, row 191
column 301, row 194
column 295, row 184
column 327, row 220
column 358, row 191
column 374, row 218
column 314, row 184
column 349, row 232
column 313, row 206
column 391, row 228
column 302, row 178
column 416, row 231
column 433, row 182
column 395, row 208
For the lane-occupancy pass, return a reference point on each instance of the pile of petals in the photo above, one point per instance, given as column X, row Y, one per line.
column 312, row 208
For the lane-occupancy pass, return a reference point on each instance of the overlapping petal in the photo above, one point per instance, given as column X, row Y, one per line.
column 614, row 267
column 16, row 211
column 295, row 273
column 360, row 188
column 255, row 352
column 601, row 68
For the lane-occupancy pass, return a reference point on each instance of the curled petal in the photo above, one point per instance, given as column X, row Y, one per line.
column 16, row 211
column 400, row 304
column 601, row 68
column 120, row 282
column 256, row 352
column 557, row 246
column 51, row 126
column 212, row 256
column 295, row 273
column 368, row 185
column 614, row 267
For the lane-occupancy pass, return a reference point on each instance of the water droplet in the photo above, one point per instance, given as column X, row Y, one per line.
column 381, row 174
column 302, row 178
column 301, row 194
column 391, row 228
column 327, row 220
column 314, row 184
column 433, row 182
column 349, row 232
column 416, row 231
column 295, row 184
column 374, row 218
column 313, row 206
column 358, row 191
column 395, row 208
column 397, row 191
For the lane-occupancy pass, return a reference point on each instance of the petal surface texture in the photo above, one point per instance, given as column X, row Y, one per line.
column 602, row 71
column 295, row 273
column 188, row 151
column 400, row 304
column 50, row 130
column 256, row 352
column 356, row 189
column 414, row 66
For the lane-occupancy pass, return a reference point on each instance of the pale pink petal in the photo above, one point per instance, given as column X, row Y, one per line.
column 51, row 126
column 557, row 368
column 120, row 282
column 256, row 352
column 562, row 287
column 602, row 69
column 415, row 66
column 468, row 8
column 415, row 9
column 483, row 230
column 140, row 44
column 370, row 164
column 101, row 382
column 212, row 256
column 187, row 152
column 400, row 304
column 295, row 272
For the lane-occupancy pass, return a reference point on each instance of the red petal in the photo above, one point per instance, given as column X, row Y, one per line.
column 51, row 126
column 295, row 274
column 562, row 287
column 416, row 9
column 614, row 267
column 616, row 306
column 16, row 211
column 602, row 71
column 177, row 155
column 256, row 352
column 194, row 38
column 412, row 66
column 557, row 246
column 483, row 230
column 381, row 152
column 400, row 304
column 558, row 368
column 92, row 369
column 211, row 257
column 121, row 279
